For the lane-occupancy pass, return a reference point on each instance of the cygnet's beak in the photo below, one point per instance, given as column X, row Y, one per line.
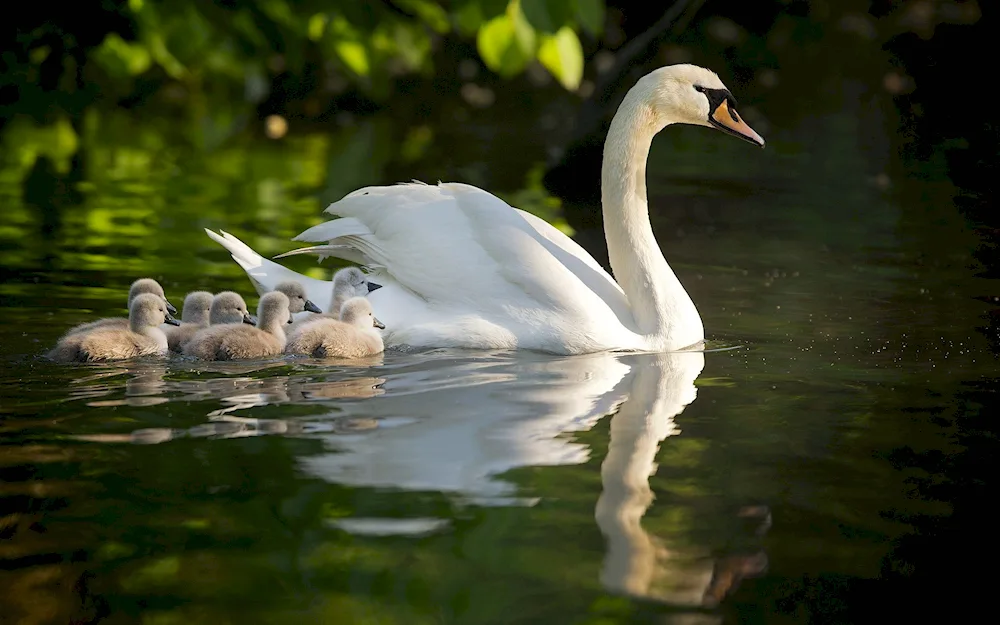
column 290, row 320
column 725, row 118
column 310, row 307
column 378, row 324
column 170, row 307
column 372, row 286
column 170, row 320
column 250, row 319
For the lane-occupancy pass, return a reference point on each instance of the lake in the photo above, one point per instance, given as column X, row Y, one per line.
column 821, row 462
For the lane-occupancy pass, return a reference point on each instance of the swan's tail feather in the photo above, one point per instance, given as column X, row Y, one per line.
column 240, row 251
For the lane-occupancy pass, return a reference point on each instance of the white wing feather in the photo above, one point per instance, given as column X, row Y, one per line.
column 457, row 245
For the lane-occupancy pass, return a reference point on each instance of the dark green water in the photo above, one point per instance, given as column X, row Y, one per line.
column 468, row 487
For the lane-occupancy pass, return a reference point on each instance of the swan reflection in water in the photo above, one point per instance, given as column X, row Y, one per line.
column 456, row 423
column 459, row 438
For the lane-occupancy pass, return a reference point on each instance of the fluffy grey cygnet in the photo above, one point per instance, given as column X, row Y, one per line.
column 238, row 342
column 194, row 316
column 297, row 300
column 347, row 283
column 142, row 337
column 352, row 336
column 225, row 307
column 140, row 286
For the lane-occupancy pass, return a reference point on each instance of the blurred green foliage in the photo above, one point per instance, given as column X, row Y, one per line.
column 233, row 46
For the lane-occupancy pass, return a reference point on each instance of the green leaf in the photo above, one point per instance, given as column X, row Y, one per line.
column 429, row 12
column 317, row 24
column 590, row 15
column 122, row 58
column 562, row 55
column 354, row 56
column 507, row 43
column 548, row 16
column 348, row 46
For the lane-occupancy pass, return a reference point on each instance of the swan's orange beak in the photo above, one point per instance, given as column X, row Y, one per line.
column 725, row 118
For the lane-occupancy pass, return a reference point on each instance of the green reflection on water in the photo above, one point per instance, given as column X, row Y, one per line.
column 124, row 496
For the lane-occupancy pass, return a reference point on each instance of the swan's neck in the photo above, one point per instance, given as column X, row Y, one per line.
column 153, row 332
column 662, row 309
column 339, row 297
column 277, row 330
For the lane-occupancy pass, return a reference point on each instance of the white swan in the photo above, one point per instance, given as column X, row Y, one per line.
column 461, row 268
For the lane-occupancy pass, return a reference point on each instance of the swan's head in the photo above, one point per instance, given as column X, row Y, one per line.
column 353, row 282
column 297, row 300
column 272, row 309
column 148, row 285
column 197, row 307
column 148, row 311
column 357, row 311
column 229, row 307
column 689, row 94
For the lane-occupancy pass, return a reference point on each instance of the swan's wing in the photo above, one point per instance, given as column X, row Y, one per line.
column 265, row 274
column 457, row 245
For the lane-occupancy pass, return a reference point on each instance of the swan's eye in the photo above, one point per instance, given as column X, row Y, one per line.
column 699, row 88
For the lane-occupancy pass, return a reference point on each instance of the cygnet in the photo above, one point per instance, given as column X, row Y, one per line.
column 226, row 307
column 142, row 337
column 297, row 300
column 237, row 342
column 194, row 316
column 347, row 283
column 353, row 336
column 140, row 286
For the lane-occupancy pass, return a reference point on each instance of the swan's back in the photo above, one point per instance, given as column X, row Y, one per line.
column 520, row 281
column 117, row 344
column 107, row 323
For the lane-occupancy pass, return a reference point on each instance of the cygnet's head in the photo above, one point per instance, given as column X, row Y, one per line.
column 229, row 307
column 357, row 311
column 689, row 94
column 273, row 309
column 148, row 311
column 148, row 285
column 352, row 282
column 197, row 307
column 297, row 300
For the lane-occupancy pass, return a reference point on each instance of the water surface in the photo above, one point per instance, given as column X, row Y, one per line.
column 824, row 464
